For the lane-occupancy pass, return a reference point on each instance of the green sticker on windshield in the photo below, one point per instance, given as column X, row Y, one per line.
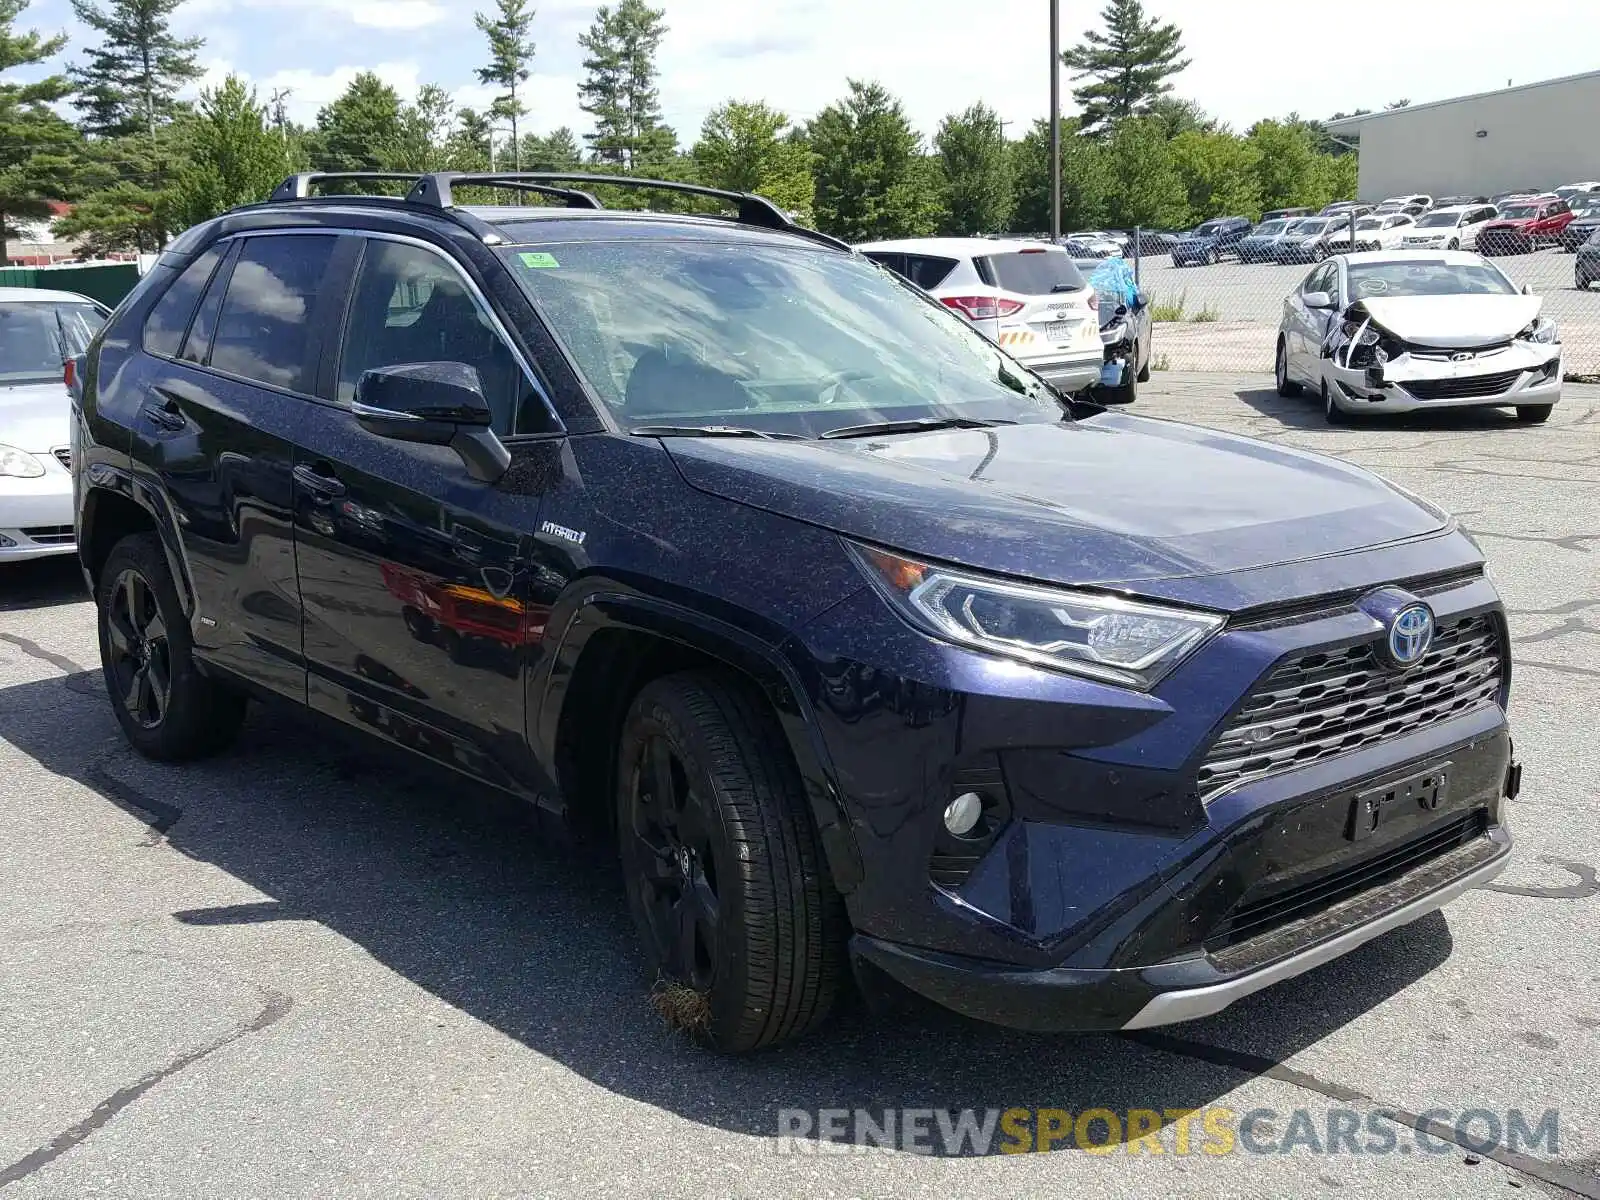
column 539, row 259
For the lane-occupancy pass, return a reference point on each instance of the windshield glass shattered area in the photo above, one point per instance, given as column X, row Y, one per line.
column 1373, row 280
column 778, row 339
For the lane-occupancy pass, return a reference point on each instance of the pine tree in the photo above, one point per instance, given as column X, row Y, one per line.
column 234, row 155
column 363, row 130
column 557, row 152
column 872, row 178
column 510, row 53
column 35, row 143
column 1129, row 63
column 743, row 147
column 620, row 89
column 129, row 83
column 976, row 170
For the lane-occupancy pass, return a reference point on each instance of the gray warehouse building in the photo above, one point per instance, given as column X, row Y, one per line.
column 1537, row 135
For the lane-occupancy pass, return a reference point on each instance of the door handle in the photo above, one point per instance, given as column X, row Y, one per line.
column 164, row 412
column 319, row 482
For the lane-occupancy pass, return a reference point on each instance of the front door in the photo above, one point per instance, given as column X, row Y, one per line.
column 414, row 576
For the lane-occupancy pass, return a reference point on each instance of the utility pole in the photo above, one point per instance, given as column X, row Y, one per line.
column 1055, row 120
column 280, row 116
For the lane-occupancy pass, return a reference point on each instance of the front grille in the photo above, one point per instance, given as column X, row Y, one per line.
column 63, row 456
column 1252, row 919
column 1326, row 703
column 49, row 535
column 1464, row 388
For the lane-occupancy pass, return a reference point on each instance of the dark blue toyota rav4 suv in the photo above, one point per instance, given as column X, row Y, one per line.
column 870, row 650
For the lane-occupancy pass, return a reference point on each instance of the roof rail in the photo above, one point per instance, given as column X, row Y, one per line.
column 298, row 187
column 435, row 189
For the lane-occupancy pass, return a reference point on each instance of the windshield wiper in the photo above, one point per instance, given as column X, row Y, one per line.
column 913, row 426
column 712, row 431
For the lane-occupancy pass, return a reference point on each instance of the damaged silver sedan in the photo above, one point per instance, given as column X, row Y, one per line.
column 1407, row 330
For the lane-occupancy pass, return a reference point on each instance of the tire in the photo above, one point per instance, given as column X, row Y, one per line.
column 1581, row 282
column 1534, row 414
column 145, row 640
column 1213, row 258
column 1319, row 253
column 1286, row 386
column 1330, row 407
column 1126, row 393
column 1455, row 244
column 722, row 864
column 1143, row 374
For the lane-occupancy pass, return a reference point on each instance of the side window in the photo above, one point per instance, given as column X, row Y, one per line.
column 197, row 346
column 169, row 319
column 927, row 271
column 894, row 262
column 1317, row 281
column 412, row 306
column 264, row 325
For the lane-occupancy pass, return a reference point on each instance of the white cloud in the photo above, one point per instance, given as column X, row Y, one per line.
column 310, row 91
column 372, row 14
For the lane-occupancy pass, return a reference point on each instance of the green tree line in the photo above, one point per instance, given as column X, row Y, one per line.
column 140, row 162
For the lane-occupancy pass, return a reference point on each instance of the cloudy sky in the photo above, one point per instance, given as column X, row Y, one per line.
column 1249, row 61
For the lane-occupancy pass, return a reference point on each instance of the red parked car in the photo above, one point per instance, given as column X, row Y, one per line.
column 1524, row 225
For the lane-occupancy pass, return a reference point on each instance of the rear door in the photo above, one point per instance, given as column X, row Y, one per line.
column 421, row 624
column 1047, row 309
column 231, row 357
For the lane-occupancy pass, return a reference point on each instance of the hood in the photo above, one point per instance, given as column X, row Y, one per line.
column 1511, row 222
column 1454, row 320
column 35, row 417
column 1112, row 499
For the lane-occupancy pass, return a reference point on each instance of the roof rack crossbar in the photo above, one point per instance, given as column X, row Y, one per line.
column 298, row 187
column 436, row 190
column 753, row 209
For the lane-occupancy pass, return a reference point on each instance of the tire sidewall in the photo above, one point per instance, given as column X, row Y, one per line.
column 142, row 554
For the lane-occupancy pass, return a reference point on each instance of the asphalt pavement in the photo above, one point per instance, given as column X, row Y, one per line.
column 310, row 968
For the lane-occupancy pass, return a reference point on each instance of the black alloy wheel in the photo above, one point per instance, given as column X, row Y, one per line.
column 139, row 667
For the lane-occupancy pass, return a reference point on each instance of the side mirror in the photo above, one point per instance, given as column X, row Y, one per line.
column 1527, row 289
column 1141, row 299
column 433, row 404
column 1317, row 300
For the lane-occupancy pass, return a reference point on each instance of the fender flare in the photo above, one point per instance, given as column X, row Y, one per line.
column 763, row 662
column 105, row 479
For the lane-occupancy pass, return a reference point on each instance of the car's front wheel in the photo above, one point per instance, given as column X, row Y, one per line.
column 1330, row 406
column 1455, row 244
column 722, row 864
column 1286, row 386
column 167, row 708
column 1534, row 414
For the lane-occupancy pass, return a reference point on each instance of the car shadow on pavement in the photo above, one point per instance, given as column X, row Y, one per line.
column 41, row 583
column 455, row 889
column 1305, row 412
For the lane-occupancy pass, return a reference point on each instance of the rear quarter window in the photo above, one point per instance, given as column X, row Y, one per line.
column 169, row 319
column 1032, row 272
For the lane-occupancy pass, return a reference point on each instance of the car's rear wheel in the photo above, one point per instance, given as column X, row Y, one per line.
column 166, row 707
column 1581, row 281
column 1143, row 374
column 1534, row 414
column 1330, row 406
column 1455, row 244
column 1213, row 257
column 1286, row 386
column 723, row 867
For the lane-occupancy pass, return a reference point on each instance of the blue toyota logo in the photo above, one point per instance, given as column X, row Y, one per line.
column 1410, row 635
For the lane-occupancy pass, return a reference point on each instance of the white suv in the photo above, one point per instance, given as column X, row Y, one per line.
column 1028, row 297
column 1450, row 228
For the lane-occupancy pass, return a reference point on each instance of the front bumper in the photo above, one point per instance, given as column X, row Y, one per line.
column 36, row 514
column 1519, row 376
column 1063, row 999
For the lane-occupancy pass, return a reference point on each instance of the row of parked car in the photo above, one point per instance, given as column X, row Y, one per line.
column 1506, row 223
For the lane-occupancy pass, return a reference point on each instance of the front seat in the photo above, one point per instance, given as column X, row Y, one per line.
column 661, row 385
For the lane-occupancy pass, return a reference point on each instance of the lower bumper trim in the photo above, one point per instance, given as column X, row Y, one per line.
column 1192, row 1003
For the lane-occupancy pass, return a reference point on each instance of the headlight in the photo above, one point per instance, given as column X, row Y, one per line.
column 19, row 464
column 1103, row 637
column 1542, row 330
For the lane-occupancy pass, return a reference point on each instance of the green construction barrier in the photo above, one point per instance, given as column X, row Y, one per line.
column 106, row 282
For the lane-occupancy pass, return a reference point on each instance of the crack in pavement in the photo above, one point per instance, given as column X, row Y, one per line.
column 1558, row 668
column 1570, row 626
column 35, row 651
column 1552, row 1173
column 275, row 1007
column 1588, row 884
column 1567, row 541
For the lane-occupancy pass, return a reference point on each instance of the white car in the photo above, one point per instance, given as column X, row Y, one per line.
column 1396, row 204
column 1375, row 232
column 1028, row 297
column 1453, row 228
column 1401, row 331
column 39, row 332
column 1098, row 243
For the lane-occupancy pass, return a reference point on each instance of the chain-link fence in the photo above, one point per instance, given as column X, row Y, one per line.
column 1218, row 310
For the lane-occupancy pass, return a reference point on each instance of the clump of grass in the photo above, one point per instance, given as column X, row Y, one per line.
column 1161, row 310
column 681, row 1007
column 1205, row 315
column 1161, row 363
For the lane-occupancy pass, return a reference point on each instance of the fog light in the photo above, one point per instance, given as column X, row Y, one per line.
column 5, row 542
column 961, row 815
